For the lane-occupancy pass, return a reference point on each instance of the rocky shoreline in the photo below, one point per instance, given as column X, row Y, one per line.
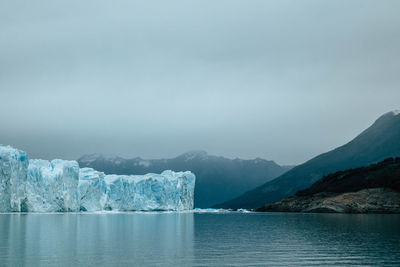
column 372, row 200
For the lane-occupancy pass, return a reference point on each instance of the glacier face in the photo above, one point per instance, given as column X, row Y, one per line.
column 60, row 186
column 166, row 191
column 52, row 186
column 13, row 176
column 92, row 190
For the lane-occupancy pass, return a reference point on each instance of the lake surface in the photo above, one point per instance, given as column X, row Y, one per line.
column 199, row 239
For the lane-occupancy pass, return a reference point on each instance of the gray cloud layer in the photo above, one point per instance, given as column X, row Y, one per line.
column 283, row 80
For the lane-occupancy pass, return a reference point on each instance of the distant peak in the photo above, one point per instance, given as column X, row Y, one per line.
column 396, row 112
column 388, row 116
column 392, row 113
column 93, row 157
column 195, row 154
column 89, row 157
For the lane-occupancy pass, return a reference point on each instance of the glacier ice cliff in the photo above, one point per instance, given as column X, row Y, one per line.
column 52, row 186
column 166, row 191
column 92, row 190
column 60, row 186
column 13, row 177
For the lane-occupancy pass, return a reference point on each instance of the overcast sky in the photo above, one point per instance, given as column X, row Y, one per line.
column 281, row 80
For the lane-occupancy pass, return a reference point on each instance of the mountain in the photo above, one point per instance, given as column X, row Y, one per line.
column 372, row 189
column 379, row 141
column 217, row 178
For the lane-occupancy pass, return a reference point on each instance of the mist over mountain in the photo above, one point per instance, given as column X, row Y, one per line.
column 218, row 179
column 379, row 141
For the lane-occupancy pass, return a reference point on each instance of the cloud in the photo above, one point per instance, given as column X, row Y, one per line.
column 284, row 80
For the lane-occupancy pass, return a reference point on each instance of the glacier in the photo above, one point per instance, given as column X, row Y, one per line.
column 92, row 190
column 166, row 191
column 13, row 177
column 35, row 185
column 52, row 186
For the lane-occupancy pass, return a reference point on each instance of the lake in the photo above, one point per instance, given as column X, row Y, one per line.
column 199, row 239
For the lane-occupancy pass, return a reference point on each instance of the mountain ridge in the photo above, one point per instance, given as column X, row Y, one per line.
column 379, row 141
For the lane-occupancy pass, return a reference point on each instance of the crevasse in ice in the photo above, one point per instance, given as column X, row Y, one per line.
column 61, row 186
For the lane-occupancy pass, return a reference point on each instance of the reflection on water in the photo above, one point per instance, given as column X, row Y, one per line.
column 199, row 239
column 95, row 239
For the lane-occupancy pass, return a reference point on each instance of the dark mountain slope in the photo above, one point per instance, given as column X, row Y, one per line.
column 380, row 141
column 375, row 188
column 217, row 178
column 383, row 174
